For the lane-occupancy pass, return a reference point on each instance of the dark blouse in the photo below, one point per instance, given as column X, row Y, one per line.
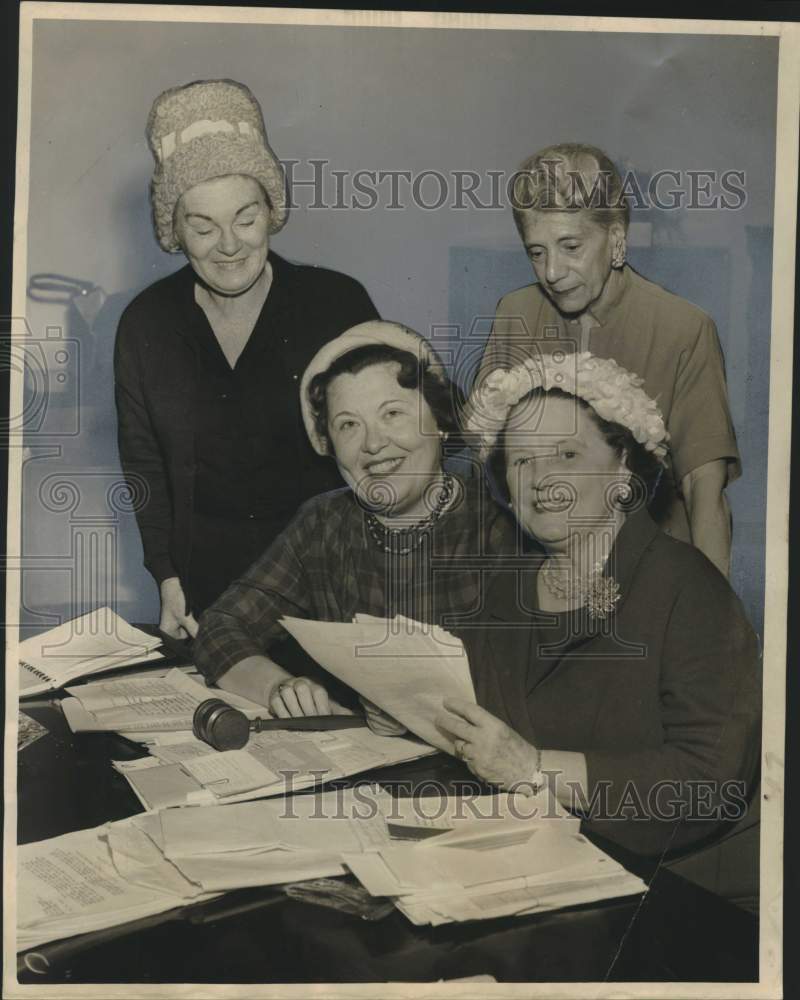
column 662, row 697
column 196, row 437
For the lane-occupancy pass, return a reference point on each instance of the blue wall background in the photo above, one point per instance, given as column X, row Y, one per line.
column 381, row 99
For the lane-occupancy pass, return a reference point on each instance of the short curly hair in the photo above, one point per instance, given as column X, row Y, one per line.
column 441, row 395
column 646, row 470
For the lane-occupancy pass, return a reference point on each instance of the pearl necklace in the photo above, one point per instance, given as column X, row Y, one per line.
column 575, row 585
column 389, row 539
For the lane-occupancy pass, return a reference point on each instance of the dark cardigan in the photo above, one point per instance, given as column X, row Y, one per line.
column 155, row 363
column 666, row 689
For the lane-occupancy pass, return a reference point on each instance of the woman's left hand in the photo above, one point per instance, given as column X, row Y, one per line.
column 490, row 749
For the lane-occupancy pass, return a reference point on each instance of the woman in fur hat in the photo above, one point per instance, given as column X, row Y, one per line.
column 208, row 360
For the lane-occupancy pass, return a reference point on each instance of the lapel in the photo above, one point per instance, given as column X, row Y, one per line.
column 605, row 310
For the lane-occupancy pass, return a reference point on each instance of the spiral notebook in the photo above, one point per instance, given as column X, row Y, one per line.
column 93, row 643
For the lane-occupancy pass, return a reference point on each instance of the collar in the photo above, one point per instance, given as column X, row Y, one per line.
column 190, row 321
column 615, row 287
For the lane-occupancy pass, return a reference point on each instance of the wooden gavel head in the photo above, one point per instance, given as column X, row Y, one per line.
column 221, row 725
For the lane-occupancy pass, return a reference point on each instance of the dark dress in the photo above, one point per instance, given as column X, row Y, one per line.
column 662, row 697
column 217, row 456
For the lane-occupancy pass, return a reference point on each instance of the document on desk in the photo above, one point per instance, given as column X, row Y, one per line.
column 269, row 842
column 339, row 820
column 405, row 667
column 93, row 879
column 272, row 763
column 462, row 817
column 143, row 704
column 95, row 642
column 445, row 879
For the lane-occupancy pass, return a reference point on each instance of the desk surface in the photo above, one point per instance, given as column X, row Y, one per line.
column 677, row 932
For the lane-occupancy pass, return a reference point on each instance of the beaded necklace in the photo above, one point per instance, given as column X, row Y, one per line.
column 390, row 539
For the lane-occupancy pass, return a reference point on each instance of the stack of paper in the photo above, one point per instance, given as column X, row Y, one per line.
column 93, row 879
column 405, row 667
column 274, row 762
column 268, row 842
column 144, row 704
column 490, row 868
column 95, row 642
column 155, row 862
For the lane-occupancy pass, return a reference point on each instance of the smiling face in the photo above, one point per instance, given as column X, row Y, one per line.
column 559, row 470
column 223, row 228
column 571, row 256
column 385, row 439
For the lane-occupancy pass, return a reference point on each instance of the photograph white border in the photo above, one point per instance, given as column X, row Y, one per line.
column 777, row 499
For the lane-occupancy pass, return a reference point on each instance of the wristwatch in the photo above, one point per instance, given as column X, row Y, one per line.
column 538, row 780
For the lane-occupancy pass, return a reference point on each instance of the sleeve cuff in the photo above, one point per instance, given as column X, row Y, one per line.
column 160, row 568
column 690, row 457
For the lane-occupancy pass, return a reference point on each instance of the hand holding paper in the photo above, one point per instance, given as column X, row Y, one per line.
column 406, row 668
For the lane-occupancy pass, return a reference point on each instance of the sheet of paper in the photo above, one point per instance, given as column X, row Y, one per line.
column 216, row 872
column 229, row 773
column 548, row 857
column 143, row 704
column 335, row 821
column 139, row 861
column 406, row 671
column 174, row 753
column 100, row 640
column 543, row 852
column 69, row 885
column 150, row 824
column 120, row 693
column 439, row 812
column 491, row 902
column 160, row 738
column 162, row 785
column 155, row 791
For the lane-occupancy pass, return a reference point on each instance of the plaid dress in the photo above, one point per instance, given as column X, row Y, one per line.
column 326, row 566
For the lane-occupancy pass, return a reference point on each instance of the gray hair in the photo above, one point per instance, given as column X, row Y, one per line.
column 570, row 177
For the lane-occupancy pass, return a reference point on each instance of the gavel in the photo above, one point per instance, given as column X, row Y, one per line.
column 226, row 728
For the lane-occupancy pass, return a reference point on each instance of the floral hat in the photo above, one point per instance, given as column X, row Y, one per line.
column 613, row 392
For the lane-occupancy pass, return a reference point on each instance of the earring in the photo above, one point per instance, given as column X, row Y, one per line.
column 618, row 257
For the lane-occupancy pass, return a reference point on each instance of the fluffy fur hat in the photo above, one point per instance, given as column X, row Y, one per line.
column 203, row 130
